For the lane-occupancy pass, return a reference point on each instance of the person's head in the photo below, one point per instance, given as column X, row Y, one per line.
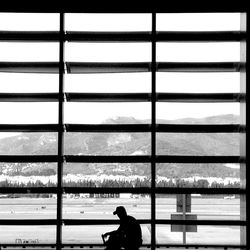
column 120, row 212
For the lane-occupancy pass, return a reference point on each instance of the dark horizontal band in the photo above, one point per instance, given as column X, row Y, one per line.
column 200, row 128
column 200, row 97
column 198, row 159
column 67, row 222
column 108, row 97
column 71, row 222
column 30, row 67
column 161, row 97
column 89, row 36
column 161, row 36
column 123, row 97
column 29, row 36
column 108, row 159
column 95, row 67
column 29, row 158
column 200, row 36
column 129, row 7
column 136, row 36
column 122, row 159
column 110, row 128
column 119, row 67
column 200, row 66
column 29, row 190
column 29, row 97
column 30, row 127
column 133, row 128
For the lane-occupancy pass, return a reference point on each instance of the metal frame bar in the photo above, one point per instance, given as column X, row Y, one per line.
column 60, row 137
column 153, row 133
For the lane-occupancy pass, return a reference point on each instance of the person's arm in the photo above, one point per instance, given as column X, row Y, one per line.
column 109, row 233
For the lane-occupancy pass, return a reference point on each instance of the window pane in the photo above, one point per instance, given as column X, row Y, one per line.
column 29, row 144
column 215, row 175
column 92, row 234
column 28, row 83
column 198, row 112
column 228, row 235
column 29, row 21
column 18, row 113
column 198, row 82
column 107, row 143
column 102, row 206
column 198, row 144
column 198, row 21
column 108, row 52
column 201, row 52
column 28, row 234
column 108, row 83
column 108, row 22
column 102, row 174
column 22, row 52
column 205, row 207
column 27, row 206
column 106, row 112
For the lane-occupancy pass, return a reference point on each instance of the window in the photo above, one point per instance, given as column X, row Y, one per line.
column 142, row 110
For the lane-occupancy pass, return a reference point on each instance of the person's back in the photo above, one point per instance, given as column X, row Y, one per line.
column 132, row 232
column 128, row 235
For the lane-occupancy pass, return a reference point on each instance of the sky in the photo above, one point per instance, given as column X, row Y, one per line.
column 115, row 52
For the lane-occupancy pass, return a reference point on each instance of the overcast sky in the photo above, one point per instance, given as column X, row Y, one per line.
column 115, row 52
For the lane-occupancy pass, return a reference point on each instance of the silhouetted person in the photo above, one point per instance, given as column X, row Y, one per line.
column 128, row 235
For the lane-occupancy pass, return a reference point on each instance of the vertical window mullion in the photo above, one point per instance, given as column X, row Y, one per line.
column 243, row 107
column 60, row 135
column 153, row 133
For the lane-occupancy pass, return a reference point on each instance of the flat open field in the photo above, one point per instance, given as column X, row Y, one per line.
column 101, row 208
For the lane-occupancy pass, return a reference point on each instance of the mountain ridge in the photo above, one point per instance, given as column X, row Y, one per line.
column 126, row 144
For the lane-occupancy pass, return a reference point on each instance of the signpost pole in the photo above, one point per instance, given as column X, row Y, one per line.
column 184, row 217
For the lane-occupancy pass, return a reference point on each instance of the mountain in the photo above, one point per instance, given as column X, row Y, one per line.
column 126, row 144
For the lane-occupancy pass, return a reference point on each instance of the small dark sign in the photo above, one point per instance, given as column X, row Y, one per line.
column 180, row 203
column 180, row 228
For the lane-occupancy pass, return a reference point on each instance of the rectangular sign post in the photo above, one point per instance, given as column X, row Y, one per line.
column 183, row 206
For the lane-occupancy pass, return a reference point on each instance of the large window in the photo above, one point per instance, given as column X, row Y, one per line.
column 145, row 110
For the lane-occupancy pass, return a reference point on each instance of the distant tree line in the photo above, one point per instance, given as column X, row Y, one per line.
column 201, row 183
